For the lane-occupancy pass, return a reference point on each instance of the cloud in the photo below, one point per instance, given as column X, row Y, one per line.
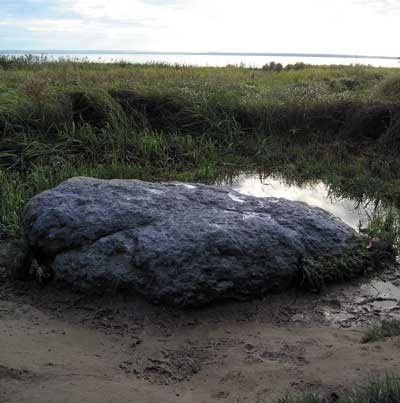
column 315, row 26
column 382, row 6
column 33, row 8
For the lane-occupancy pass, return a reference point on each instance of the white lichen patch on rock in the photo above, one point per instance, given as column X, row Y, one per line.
column 187, row 186
column 236, row 198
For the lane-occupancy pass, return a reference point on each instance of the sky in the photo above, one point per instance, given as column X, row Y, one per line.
column 363, row 27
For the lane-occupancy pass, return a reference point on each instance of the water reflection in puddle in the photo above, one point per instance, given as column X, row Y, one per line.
column 377, row 298
column 315, row 194
column 382, row 294
column 358, row 303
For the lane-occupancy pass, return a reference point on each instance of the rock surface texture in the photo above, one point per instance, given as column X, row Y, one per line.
column 176, row 243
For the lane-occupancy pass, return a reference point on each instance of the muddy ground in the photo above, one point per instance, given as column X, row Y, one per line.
column 58, row 346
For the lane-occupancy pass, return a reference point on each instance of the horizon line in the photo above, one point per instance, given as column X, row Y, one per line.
column 204, row 53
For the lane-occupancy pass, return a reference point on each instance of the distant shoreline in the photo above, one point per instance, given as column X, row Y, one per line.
column 125, row 52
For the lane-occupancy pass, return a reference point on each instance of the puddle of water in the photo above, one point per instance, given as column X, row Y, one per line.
column 383, row 295
column 316, row 194
column 382, row 289
column 351, row 305
column 361, row 303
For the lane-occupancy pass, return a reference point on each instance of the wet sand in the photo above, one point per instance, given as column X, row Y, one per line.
column 58, row 346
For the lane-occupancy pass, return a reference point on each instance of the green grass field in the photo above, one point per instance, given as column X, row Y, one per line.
column 57, row 120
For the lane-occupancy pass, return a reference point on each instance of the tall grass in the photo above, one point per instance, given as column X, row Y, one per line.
column 384, row 230
column 60, row 119
column 390, row 86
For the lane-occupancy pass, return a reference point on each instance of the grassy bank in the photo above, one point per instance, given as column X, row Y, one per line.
column 57, row 120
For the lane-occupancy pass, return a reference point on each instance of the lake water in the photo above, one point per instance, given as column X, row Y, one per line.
column 217, row 60
column 316, row 194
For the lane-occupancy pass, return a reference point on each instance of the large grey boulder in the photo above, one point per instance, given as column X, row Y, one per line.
column 176, row 243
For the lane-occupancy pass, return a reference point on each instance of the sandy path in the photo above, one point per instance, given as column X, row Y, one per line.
column 56, row 346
